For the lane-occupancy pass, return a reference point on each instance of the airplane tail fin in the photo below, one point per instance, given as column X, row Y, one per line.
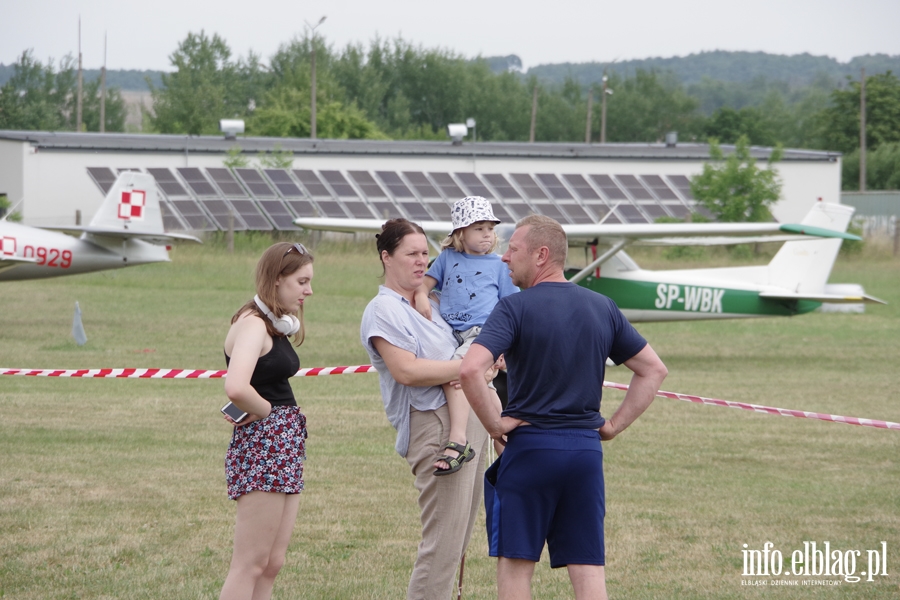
column 131, row 204
column 803, row 266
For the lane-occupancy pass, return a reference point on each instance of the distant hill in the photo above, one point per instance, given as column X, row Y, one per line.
column 719, row 65
column 124, row 79
column 736, row 67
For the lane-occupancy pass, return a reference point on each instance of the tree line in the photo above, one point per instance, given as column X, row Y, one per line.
column 392, row 89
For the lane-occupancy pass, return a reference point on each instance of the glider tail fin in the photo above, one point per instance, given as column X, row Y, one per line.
column 131, row 204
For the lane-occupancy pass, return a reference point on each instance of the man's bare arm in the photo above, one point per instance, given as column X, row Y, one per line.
column 649, row 372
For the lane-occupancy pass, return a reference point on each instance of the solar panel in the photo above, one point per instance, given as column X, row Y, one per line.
column 556, row 188
column 197, row 182
column 193, row 215
column 385, row 209
column 416, row 211
column 169, row 185
column 128, row 169
column 279, row 214
column 103, row 177
column 224, row 216
column 654, row 211
column 503, row 187
column 659, row 187
column 367, row 184
column 521, row 210
column 358, row 208
column 582, row 188
column 282, row 181
column 528, row 185
column 682, row 184
column 171, row 218
column 630, row 213
column 610, row 188
column 551, row 210
column 312, row 183
column 332, row 209
column 394, row 184
column 226, row 182
column 447, row 186
column 442, row 211
column 634, row 187
column 251, row 215
column 255, row 183
column 679, row 211
column 301, row 208
column 421, row 184
column 339, row 184
column 576, row 213
column 475, row 186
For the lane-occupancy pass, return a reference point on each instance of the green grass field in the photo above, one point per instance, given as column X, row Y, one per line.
column 115, row 488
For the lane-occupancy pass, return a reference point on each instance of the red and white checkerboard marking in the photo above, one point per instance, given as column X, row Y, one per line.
column 131, row 206
column 8, row 246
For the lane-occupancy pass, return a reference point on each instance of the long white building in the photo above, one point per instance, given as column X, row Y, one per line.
column 59, row 175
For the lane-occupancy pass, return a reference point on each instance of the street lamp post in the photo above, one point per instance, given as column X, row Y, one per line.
column 312, row 102
column 606, row 92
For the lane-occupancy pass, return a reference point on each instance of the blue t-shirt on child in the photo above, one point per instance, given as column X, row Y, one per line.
column 470, row 286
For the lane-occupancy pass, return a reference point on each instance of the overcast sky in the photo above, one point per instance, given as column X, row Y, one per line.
column 142, row 35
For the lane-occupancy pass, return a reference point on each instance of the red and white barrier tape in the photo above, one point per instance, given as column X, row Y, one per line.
column 318, row 371
column 769, row 410
column 171, row 373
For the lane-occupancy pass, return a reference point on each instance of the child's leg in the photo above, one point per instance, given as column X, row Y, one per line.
column 458, row 407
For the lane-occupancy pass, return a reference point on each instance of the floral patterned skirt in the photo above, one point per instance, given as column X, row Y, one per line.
column 268, row 455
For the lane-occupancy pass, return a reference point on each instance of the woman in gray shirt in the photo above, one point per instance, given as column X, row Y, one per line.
column 411, row 355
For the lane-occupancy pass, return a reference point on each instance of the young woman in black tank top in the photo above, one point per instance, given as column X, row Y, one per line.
column 264, row 462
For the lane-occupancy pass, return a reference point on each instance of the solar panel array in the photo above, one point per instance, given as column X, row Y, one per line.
column 264, row 199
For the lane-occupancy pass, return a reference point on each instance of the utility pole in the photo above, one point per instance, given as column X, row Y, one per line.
column 605, row 93
column 533, row 114
column 862, row 131
column 103, row 89
column 78, row 100
column 312, row 102
column 587, row 128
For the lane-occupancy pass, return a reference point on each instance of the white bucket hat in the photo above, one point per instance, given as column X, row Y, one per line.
column 471, row 209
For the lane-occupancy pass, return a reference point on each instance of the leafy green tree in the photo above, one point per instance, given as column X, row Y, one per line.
column 115, row 110
column 206, row 86
column 235, row 158
column 4, row 210
column 733, row 188
column 278, row 158
column 39, row 97
column 839, row 123
column 646, row 107
column 728, row 125
column 882, row 168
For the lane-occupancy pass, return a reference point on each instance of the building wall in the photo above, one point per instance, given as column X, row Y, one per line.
column 12, row 181
column 56, row 184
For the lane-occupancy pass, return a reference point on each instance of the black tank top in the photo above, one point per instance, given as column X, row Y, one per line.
column 271, row 376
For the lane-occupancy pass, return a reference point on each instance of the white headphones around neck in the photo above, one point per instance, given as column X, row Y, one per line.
column 287, row 324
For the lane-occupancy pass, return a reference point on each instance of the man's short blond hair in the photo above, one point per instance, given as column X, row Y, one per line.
column 544, row 231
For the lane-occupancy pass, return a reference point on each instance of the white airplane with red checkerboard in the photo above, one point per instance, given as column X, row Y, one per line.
column 127, row 230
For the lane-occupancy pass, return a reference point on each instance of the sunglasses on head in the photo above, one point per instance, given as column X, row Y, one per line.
column 300, row 248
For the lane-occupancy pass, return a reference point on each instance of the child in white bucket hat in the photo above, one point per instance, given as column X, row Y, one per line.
column 472, row 279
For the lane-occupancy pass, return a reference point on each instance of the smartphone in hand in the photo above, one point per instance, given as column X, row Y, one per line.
column 236, row 414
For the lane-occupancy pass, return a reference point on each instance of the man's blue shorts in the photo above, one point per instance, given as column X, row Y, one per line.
column 547, row 486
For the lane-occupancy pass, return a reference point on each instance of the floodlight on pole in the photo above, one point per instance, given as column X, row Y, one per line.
column 606, row 92
column 312, row 103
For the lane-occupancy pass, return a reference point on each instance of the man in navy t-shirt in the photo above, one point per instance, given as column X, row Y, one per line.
column 548, row 483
